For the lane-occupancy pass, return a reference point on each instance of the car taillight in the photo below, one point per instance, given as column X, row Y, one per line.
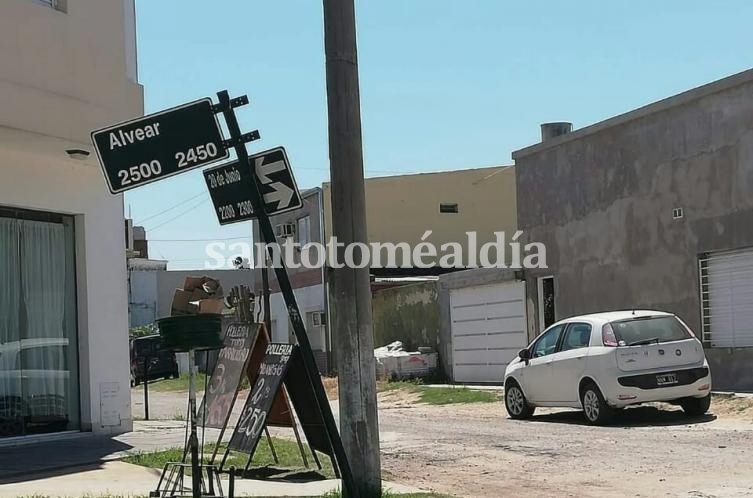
column 607, row 336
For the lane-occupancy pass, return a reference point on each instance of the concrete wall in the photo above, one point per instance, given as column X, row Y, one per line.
column 308, row 283
column 407, row 313
column 310, row 300
column 299, row 277
column 142, row 304
column 601, row 200
column 68, row 73
column 401, row 208
column 63, row 75
column 143, row 291
column 460, row 280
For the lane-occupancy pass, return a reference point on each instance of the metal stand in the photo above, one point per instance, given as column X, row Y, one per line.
column 193, row 440
column 205, row 479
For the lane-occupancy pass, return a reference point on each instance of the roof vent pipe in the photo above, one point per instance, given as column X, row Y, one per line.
column 551, row 130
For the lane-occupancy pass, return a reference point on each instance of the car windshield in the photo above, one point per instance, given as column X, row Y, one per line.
column 646, row 330
column 151, row 346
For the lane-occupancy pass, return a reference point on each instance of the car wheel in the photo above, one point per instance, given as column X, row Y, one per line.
column 595, row 407
column 696, row 407
column 516, row 403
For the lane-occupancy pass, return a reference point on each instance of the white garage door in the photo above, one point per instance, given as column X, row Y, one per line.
column 727, row 298
column 488, row 330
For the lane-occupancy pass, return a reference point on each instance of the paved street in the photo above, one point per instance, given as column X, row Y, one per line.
column 475, row 450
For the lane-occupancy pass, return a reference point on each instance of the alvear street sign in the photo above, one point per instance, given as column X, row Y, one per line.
column 159, row 145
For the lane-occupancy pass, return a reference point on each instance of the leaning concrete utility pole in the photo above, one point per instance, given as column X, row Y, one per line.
column 351, row 304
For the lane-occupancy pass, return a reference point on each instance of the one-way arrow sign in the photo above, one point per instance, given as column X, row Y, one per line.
column 230, row 188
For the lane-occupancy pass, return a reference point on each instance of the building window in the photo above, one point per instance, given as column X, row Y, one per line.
column 38, row 340
column 303, row 230
column 60, row 5
column 448, row 207
column 547, row 315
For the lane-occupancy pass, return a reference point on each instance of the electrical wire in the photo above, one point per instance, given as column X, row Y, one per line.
column 200, row 194
column 201, row 240
column 182, row 213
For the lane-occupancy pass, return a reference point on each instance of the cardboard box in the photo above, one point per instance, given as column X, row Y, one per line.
column 212, row 287
column 206, row 285
column 211, row 306
column 198, row 294
column 192, row 283
column 181, row 301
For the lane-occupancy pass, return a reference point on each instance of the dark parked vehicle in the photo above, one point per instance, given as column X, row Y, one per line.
column 150, row 351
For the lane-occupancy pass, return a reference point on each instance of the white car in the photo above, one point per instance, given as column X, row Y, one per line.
column 606, row 361
column 34, row 379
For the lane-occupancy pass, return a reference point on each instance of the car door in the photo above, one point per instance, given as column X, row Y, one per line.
column 536, row 374
column 568, row 363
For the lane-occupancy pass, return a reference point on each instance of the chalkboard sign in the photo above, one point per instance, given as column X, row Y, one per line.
column 227, row 374
column 272, row 371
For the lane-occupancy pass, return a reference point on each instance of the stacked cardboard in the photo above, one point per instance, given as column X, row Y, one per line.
column 198, row 295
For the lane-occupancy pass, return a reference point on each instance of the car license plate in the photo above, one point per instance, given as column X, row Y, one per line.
column 666, row 379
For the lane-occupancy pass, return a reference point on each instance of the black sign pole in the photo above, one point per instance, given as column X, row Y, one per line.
column 147, row 360
column 265, row 227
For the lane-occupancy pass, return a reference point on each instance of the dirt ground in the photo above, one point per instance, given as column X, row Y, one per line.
column 475, row 450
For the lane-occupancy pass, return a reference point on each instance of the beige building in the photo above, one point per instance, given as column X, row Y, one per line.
column 68, row 67
column 400, row 209
column 449, row 203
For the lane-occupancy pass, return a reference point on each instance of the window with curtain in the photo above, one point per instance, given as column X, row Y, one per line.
column 38, row 347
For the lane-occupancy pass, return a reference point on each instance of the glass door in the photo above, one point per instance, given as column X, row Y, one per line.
column 39, row 390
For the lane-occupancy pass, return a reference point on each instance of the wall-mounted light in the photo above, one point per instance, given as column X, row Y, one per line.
column 78, row 154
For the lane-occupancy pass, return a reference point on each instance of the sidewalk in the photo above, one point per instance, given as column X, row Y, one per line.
column 84, row 464
column 123, row 479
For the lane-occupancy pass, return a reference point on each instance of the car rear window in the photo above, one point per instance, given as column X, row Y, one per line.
column 646, row 330
column 143, row 347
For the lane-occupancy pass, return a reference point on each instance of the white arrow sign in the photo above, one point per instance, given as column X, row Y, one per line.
column 282, row 194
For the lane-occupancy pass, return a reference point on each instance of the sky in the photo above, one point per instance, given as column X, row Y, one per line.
column 444, row 84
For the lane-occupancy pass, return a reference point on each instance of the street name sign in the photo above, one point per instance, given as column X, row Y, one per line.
column 153, row 147
column 230, row 187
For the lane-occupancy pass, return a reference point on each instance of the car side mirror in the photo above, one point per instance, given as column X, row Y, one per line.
column 525, row 355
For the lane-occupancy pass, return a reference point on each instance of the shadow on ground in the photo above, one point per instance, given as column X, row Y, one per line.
column 639, row 416
column 281, row 474
column 54, row 458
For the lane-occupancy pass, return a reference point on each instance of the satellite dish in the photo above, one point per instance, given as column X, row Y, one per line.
column 240, row 263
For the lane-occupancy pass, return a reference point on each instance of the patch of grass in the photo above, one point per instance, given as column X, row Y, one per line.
column 413, row 385
column 177, row 385
column 87, row 495
column 449, row 395
column 439, row 395
column 287, row 453
column 387, row 494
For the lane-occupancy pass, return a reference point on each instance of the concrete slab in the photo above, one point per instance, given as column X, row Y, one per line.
column 123, row 479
